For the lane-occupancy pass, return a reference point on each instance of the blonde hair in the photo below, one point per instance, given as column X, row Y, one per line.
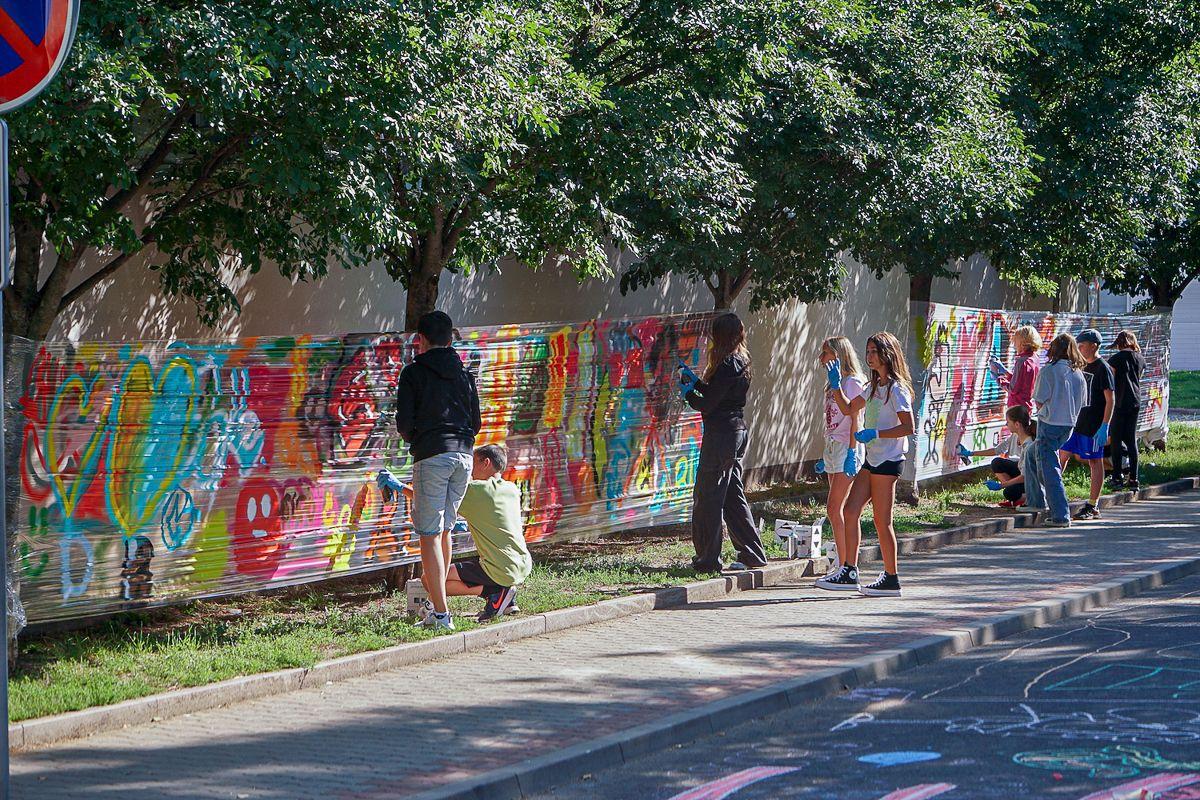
column 843, row 350
column 727, row 338
column 1028, row 335
column 890, row 353
column 1064, row 346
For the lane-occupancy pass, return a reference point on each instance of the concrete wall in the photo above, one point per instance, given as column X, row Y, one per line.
column 1185, row 330
column 785, row 408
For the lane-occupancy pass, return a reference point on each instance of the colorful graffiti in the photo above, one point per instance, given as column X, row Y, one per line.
column 154, row 472
column 960, row 400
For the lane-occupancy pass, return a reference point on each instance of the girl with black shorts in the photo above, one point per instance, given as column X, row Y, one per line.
column 887, row 424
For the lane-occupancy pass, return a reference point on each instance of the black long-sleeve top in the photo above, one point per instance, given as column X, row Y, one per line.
column 722, row 399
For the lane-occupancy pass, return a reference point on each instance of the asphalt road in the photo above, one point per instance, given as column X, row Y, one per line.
column 1104, row 707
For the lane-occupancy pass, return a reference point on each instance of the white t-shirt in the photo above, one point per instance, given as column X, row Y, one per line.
column 837, row 424
column 881, row 413
column 1011, row 447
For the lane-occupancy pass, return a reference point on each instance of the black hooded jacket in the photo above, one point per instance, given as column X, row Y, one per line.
column 722, row 399
column 437, row 406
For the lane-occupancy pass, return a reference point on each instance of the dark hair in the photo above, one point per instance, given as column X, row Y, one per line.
column 728, row 337
column 1020, row 415
column 495, row 453
column 437, row 328
column 1127, row 339
column 891, row 353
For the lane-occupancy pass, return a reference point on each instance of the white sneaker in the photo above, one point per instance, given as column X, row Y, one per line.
column 424, row 613
column 441, row 622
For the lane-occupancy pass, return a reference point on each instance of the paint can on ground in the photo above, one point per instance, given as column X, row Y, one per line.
column 415, row 596
column 800, row 539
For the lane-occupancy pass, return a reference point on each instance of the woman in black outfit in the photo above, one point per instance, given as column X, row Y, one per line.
column 720, row 397
column 1128, row 365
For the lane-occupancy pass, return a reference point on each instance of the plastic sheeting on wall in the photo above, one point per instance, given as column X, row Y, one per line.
column 154, row 472
column 961, row 401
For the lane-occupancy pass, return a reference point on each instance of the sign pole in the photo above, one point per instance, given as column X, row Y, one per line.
column 5, row 277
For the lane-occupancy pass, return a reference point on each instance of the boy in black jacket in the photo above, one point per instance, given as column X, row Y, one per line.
column 437, row 413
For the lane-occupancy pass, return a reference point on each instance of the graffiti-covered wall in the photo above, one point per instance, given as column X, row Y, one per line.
column 158, row 471
column 961, row 401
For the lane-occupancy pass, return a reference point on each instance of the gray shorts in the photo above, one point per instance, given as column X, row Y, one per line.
column 439, row 484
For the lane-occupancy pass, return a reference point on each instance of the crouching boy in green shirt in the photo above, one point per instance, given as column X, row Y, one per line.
column 492, row 509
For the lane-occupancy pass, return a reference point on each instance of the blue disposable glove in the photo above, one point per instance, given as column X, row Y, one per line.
column 834, row 370
column 994, row 485
column 388, row 483
column 686, row 375
column 687, row 387
column 820, row 466
column 965, row 454
column 851, row 465
column 1101, row 436
column 867, row 435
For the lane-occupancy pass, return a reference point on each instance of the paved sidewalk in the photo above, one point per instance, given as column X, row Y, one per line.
column 1102, row 705
column 397, row 733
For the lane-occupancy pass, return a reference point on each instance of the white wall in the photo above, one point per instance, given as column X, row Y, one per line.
column 1185, row 330
column 785, row 408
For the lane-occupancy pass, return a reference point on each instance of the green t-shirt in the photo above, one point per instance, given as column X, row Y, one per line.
column 492, row 509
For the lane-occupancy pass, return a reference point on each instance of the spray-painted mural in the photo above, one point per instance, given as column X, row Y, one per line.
column 961, row 401
column 152, row 472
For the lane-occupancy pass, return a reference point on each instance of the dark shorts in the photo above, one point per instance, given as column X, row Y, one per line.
column 886, row 468
column 471, row 573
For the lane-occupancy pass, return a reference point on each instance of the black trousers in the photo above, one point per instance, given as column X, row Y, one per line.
column 1123, row 430
column 1010, row 469
column 719, row 495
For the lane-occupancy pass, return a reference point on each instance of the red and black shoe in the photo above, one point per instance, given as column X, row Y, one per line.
column 497, row 604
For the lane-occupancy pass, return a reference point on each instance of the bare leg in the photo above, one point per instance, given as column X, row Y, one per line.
column 456, row 588
column 883, row 498
column 1096, row 465
column 433, row 570
column 839, row 488
column 860, row 493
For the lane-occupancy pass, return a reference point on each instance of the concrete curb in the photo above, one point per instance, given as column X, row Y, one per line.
column 140, row 711
column 998, row 525
column 543, row 773
column 43, row 731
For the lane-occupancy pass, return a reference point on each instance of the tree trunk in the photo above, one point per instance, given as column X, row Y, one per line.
column 421, row 298
column 1164, row 295
column 727, row 287
column 920, row 288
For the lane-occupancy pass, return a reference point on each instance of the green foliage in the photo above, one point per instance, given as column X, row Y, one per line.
column 878, row 130
column 517, row 129
column 191, row 128
column 1107, row 95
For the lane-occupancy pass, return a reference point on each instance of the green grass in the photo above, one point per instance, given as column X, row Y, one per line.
column 1185, row 389
column 199, row 643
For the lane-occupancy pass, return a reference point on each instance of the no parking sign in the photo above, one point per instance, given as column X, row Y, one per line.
column 35, row 37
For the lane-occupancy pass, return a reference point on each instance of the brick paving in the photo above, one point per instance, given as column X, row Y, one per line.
column 400, row 732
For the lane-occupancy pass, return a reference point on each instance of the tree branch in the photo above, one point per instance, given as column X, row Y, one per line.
column 90, row 281
column 145, row 173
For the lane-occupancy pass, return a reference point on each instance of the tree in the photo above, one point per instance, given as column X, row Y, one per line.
column 1106, row 95
column 880, row 133
column 497, row 129
column 184, row 134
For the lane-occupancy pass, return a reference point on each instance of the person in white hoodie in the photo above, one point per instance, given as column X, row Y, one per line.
column 1059, row 394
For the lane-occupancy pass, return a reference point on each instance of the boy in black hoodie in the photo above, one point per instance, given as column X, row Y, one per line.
column 437, row 413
